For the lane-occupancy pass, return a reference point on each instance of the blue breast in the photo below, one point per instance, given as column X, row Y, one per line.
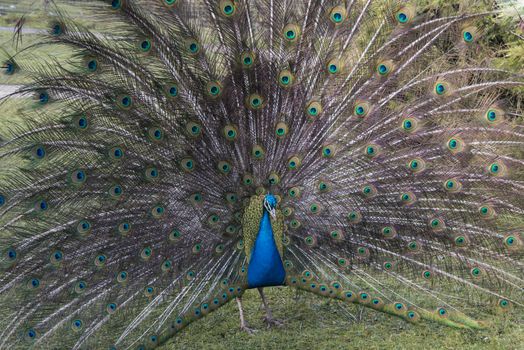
column 265, row 267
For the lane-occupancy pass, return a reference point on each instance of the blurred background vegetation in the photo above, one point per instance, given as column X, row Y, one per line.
column 310, row 322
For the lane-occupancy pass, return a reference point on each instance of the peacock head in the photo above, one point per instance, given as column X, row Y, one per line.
column 270, row 203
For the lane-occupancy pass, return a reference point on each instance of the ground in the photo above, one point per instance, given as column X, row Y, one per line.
column 312, row 322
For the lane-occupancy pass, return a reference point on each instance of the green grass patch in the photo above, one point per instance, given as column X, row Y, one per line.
column 312, row 322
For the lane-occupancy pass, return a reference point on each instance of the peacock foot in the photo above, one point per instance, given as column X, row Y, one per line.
column 272, row 322
column 248, row 330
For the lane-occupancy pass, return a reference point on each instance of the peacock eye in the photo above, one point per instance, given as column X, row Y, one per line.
column 512, row 242
column 291, row 33
column 494, row 116
column 294, row 224
column 194, row 129
column 257, row 152
column 475, row 272
column 497, row 169
column 174, row 235
column 337, row 234
column 405, row 15
column 78, row 177
column 387, row 265
column 41, row 206
column 247, row 59
column 42, row 97
column 11, row 254
column 442, row 312
column 83, row 227
column 287, row 211
column 193, row 47
column 10, row 67
column 334, row 66
column 441, row 88
column 230, row 132
column 197, row 248
column 452, row 185
column 354, row 217
column 171, row 90
column 503, row 303
column 437, row 224
column 224, row 167
column 402, row 17
column 361, row 109
column 57, row 29
column 413, row 246
column 231, row 197
column 116, row 4
column 409, row 125
column 111, row 308
column 286, row 78
column 294, row 192
column 77, row 325
column 155, row 134
column 151, row 173
column 92, row 65
column 39, row 152
column 372, row 150
column 145, row 45
column 158, row 211
column 364, row 296
column 328, row 151
column 460, row 241
column 227, row 8
column 274, row 179
column 146, row 253
column 294, row 163
column 248, row 180
column 187, row 164
column 369, row 191
column 122, row 276
column 80, row 122
column 338, row 14
column 56, row 257
column 314, row 208
column 363, row 251
column 313, row 109
column 166, row 265
column 80, row 287
column 33, row 283
column 148, row 291
column 124, row 102
column 214, row 89
column 389, row 232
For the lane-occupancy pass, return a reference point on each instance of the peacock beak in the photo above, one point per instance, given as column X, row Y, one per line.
column 273, row 213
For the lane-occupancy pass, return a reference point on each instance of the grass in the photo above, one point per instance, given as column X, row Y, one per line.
column 37, row 17
column 312, row 322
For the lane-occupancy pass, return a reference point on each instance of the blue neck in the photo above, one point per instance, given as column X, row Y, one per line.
column 265, row 267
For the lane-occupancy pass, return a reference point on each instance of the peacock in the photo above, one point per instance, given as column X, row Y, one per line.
column 369, row 152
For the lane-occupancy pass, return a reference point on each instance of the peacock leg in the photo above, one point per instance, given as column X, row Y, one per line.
column 269, row 314
column 243, row 324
